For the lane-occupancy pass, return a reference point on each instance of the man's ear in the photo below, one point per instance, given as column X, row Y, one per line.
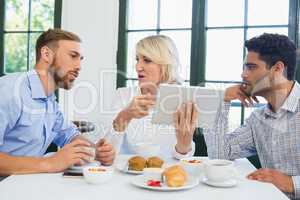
column 46, row 54
column 279, row 67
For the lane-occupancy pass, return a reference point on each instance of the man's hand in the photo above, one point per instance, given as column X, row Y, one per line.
column 185, row 123
column 74, row 153
column 237, row 92
column 282, row 181
column 105, row 152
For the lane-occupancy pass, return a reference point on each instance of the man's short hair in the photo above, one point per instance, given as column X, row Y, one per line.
column 51, row 37
column 273, row 48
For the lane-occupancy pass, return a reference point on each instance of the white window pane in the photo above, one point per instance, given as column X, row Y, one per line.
column 252, row 32
column 132, row 83
column 133, row 38
column 268, row 12
column 224, row 56
column 182, row 40
column 225, row 13
column 219, row 86
column 234, row 118
column 176, row 14
column 142, row 14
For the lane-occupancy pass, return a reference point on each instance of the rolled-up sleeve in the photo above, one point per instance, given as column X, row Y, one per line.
column 64, row 129
column 188, row 154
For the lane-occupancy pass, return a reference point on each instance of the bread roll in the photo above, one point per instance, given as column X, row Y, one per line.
column 155, row 162
column 175, row 176
column 137, row 163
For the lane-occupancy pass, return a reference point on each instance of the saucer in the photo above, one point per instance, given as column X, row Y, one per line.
column 228, row 183
column 124, row 168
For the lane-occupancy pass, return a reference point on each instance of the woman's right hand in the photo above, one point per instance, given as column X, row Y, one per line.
column 138, row 108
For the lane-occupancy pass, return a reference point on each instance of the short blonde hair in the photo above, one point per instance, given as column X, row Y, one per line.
column 161, row 50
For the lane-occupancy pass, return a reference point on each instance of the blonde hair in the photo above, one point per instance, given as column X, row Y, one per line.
column 161, row 50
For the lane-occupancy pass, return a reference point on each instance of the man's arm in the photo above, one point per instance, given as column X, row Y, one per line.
column 22, row 165
column 284, row 182
column 237, row 144
column 73, row 153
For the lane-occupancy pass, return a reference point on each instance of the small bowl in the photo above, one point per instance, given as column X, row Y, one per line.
column 97, row 175
column 147, row 149
column 153, row 174
column 193, row 165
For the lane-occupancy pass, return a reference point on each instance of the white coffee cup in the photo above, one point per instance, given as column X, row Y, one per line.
column 219, row 170
column 152, row 173
column 92, row 151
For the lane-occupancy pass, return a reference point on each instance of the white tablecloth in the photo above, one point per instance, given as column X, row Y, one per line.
column 54, row 186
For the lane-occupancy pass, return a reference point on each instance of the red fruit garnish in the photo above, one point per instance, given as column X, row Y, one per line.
column 154, row 183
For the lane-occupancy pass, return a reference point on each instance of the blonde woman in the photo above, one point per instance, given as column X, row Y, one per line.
column 156, row 62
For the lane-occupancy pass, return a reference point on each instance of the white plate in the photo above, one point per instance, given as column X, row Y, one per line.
column 229, row 183
column 139, row 181
column 123, row 167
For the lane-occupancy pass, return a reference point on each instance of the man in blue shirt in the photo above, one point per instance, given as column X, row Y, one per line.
column 30, row 116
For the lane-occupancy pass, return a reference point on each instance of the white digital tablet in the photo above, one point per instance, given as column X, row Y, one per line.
column 169, row 97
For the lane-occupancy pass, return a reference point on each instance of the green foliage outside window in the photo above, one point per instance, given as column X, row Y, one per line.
column 24, row 22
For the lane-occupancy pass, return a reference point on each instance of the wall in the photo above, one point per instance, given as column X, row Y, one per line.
column 96, row 22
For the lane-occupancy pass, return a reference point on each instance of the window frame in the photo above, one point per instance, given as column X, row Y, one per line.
column 57, row 24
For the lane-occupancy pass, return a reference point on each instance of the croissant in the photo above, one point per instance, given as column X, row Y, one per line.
column 175, row 176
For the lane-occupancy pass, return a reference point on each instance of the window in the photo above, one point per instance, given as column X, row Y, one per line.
column 217, row 28
column 228, row 24
column 162, row 19
column 21, row 22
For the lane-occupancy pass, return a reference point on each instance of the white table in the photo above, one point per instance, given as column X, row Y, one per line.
column 54, row 186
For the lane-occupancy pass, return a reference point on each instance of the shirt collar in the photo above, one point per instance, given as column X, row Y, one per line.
column 290, row 104
column 37, row 90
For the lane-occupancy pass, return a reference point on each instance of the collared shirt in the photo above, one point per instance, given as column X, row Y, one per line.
column 30, row 120
column 274, row 137
column 142, row 130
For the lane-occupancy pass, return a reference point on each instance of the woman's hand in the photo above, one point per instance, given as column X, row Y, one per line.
column 138, row 108
column 185, row 119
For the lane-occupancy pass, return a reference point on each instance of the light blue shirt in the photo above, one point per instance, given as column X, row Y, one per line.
column 30, row 120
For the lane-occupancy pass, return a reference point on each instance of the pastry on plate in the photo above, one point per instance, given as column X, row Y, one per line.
column 155, row 162
column 136, row 163
column 175, row 176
